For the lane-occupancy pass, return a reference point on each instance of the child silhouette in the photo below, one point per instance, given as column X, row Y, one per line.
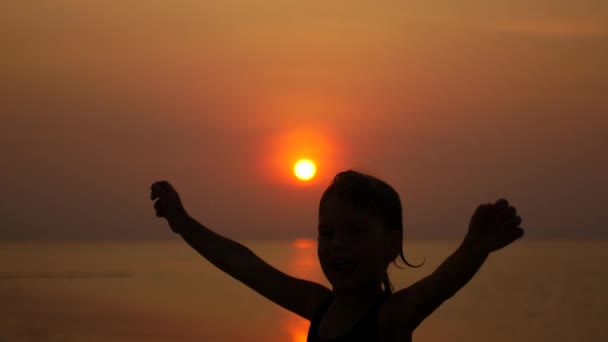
column 360, row 233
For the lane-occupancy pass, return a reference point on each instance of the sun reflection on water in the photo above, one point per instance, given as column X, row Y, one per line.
column 303, row 243
column 298, row 329
column 302, row 263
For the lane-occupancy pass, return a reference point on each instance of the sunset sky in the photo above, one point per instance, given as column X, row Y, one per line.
column 454, row 103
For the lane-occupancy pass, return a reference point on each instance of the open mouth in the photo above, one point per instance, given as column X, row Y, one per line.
column 343, row 266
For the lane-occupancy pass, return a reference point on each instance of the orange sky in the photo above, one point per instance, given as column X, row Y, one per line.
column 454, row 104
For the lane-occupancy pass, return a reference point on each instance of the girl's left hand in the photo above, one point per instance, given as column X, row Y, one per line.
column 493, row 226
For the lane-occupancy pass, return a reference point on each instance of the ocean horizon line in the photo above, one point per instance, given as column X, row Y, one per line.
column 284, row 239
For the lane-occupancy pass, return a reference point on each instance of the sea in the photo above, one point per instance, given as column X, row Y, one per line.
column 531, row 291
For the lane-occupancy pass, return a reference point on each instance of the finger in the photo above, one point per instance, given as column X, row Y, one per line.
column 159, row 209
column 501, row 204
column 511, row 235
column 513, row 221
column 506, row 214
column 483, row 210
column 517, row 233
column 154, row 193
column 166, row 186
column 160, row 188
column 156, row 190
column 155, row 186
column 520, row 232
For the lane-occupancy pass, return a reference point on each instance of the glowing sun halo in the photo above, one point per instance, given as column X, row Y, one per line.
column 304, row 169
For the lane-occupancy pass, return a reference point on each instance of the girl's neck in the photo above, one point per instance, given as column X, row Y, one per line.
column 358, row 298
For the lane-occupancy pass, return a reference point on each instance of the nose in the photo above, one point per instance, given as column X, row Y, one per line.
column 338, row 243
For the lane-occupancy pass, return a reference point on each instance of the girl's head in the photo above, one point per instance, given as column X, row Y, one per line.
column 360, row 231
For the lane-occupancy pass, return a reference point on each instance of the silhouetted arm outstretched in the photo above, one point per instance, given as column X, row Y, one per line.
column 297, row 295
column 492, row 227
column 418, row 301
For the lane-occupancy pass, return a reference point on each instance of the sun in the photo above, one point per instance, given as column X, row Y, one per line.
column 304, row 169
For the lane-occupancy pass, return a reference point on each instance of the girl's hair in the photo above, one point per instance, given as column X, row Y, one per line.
column 373, row 196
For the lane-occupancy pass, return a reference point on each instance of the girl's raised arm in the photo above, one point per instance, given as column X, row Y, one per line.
column 492, row 227
column 299, row 296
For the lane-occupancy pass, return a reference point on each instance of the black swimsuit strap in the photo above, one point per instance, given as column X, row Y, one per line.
column 313, row 332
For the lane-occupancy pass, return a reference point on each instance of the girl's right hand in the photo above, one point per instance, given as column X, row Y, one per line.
column 168, row 203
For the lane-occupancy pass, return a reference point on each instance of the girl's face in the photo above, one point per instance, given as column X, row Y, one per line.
column 354, row 248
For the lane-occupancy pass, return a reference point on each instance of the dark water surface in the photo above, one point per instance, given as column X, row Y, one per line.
column 163, row 291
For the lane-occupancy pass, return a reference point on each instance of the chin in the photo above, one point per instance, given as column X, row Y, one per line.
column 347, row 285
